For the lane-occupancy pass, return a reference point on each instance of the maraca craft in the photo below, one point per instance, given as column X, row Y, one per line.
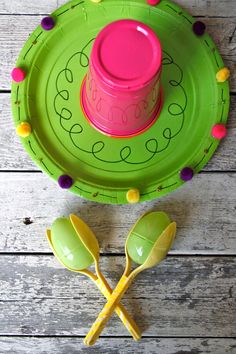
column 155, row 227
column 76, row 248
column 141, row 240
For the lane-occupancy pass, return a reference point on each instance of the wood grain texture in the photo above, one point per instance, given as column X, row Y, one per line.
column 223, row 8
column 73, row 345
column 185, row 296
column 204, row 210
column 14, row 157
column 12, row 41
column 30, row 6
column 181, row 297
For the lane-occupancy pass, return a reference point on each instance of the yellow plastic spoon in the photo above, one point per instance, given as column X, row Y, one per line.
column 152, row 236
column 76, row 247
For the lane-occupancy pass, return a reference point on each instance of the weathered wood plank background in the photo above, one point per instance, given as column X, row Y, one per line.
column 177, row 297
column 206, row 220
column 187, row 305
column 69, row 345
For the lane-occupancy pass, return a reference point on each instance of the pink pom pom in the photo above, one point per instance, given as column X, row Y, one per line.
column 219, row 131
column 18, row 75
column 153, row 2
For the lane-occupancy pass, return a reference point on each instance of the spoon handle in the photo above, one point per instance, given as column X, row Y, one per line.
column 123, row 314
column 107, row 311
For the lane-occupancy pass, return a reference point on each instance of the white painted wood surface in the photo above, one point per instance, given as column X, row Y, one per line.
column 204, row 210
column 184, row 296
column 185, row 306
column 223, row 8
column 24, row 345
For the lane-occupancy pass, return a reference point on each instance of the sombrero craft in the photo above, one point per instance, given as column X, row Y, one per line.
column 120, row 101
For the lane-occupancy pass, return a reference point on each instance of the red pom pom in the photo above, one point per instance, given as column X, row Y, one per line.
column 219, row 131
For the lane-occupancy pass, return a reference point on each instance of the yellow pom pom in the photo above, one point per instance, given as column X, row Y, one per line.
column 24, row 130
column 96, row 1
column 133, row 196
column 223, row 75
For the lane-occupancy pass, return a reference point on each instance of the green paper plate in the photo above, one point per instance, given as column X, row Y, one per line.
column 104, row 168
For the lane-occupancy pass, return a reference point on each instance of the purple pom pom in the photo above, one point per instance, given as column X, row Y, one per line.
column 65, row 182
column 199, row 28
column 47, row 23
column 186, row 174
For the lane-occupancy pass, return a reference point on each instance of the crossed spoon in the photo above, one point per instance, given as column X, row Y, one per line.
column 76, row 248
column 147, row 244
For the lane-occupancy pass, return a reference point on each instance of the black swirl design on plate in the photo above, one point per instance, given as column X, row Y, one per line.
column 97, row 149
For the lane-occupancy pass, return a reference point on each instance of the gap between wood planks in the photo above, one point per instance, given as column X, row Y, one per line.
column 201, row 172
column 107, row 337
column 113, row 255
column 46, row 14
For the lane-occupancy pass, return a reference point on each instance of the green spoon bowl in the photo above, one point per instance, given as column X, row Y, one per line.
column 144, row 235
column 68, row 247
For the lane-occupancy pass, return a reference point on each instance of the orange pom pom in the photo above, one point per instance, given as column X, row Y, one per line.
column 24, row 130
column 223, row 75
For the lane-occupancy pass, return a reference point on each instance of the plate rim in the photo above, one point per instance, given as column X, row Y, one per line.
column 81, row 188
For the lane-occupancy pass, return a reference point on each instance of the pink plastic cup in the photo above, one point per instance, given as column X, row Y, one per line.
column 121, row 95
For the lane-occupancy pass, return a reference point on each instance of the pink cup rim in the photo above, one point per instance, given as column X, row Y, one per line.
column 148, row 73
